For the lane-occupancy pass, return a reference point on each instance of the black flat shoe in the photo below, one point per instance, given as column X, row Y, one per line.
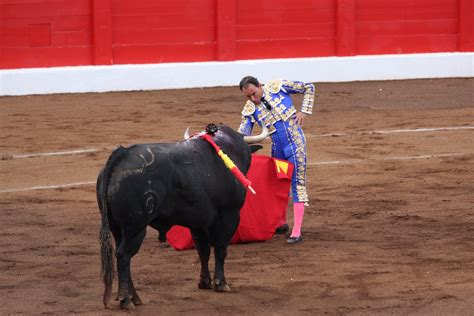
column 283, row 229
column 294, row 240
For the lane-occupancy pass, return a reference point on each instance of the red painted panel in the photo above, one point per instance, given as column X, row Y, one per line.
column 28, row 57
column 225, row 33
column 270, row 7
column 71, row 38
column 287, row 31
column 36, row 33
column 366, row 14
column 16, row 31
column 281, row 29
column 130, row 33
column 407, row 27
column 179, row 17
column 39, row 35
column 282, row 15
column 162, row 29
column 102, row 32
column 408, row 4
column 61, row 28
column 466, row 26
column 150, row 7
column 301, row 15
column 45, row 8
column 162, row 53
column 406, row 10
column 169, row 20
column 375, row 45
column 345, row 30
column 293, row 48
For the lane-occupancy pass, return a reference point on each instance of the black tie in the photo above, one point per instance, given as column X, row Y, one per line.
column 267, row 105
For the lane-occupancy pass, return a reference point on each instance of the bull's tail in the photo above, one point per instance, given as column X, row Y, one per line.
column 106, row 246
column 107, row 260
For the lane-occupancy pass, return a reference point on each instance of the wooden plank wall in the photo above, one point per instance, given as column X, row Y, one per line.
column 48, row 33
column 403, row 27
column 151, row 31
column 45, row 33
column 285, row 28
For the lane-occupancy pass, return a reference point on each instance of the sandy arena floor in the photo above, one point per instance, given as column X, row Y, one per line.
column 390, row 228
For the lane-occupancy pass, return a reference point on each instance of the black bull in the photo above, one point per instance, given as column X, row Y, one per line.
column 162, row 185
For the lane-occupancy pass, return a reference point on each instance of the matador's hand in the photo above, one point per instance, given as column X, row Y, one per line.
column 299, row 119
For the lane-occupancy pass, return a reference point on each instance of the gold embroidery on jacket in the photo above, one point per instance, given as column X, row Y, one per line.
column 249, row 108
column 300, row 158
column 273, row 86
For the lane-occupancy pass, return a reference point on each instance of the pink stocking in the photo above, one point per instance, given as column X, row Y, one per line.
column 298, row 211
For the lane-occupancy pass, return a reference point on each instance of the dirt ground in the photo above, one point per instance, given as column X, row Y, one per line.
column 389, row 230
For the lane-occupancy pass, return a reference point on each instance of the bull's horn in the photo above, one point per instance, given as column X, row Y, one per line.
column 186, row 134
column 257, row 138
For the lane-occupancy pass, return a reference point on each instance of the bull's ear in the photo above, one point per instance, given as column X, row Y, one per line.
column 255, row 148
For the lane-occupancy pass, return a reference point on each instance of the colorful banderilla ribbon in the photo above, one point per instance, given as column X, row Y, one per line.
column 229, row 163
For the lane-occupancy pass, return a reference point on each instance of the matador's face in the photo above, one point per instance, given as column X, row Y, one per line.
column 253, row 93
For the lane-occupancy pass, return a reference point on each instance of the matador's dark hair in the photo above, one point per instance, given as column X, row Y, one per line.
column 248, row 80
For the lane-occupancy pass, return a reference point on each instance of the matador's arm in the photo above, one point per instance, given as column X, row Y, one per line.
column 307, row 89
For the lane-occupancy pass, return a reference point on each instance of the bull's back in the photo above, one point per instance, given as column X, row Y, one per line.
column 206, row 174
column 183, row 181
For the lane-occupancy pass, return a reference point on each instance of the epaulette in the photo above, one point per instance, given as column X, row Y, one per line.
column 249, row 108
column 274, row 86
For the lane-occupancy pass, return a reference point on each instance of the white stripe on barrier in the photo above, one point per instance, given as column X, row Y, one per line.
column 180, row 75
column 335, row 162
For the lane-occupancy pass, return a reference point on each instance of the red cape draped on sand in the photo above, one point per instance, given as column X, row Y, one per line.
column 261, row 213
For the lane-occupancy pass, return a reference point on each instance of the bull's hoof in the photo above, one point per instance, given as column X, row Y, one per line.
column 205, row 284
column 125, row 303
column 283, row 229
column 221, row 286
column 136, row 300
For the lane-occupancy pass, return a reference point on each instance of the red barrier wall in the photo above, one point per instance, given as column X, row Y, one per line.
column 406, row 26
column 45, row 33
